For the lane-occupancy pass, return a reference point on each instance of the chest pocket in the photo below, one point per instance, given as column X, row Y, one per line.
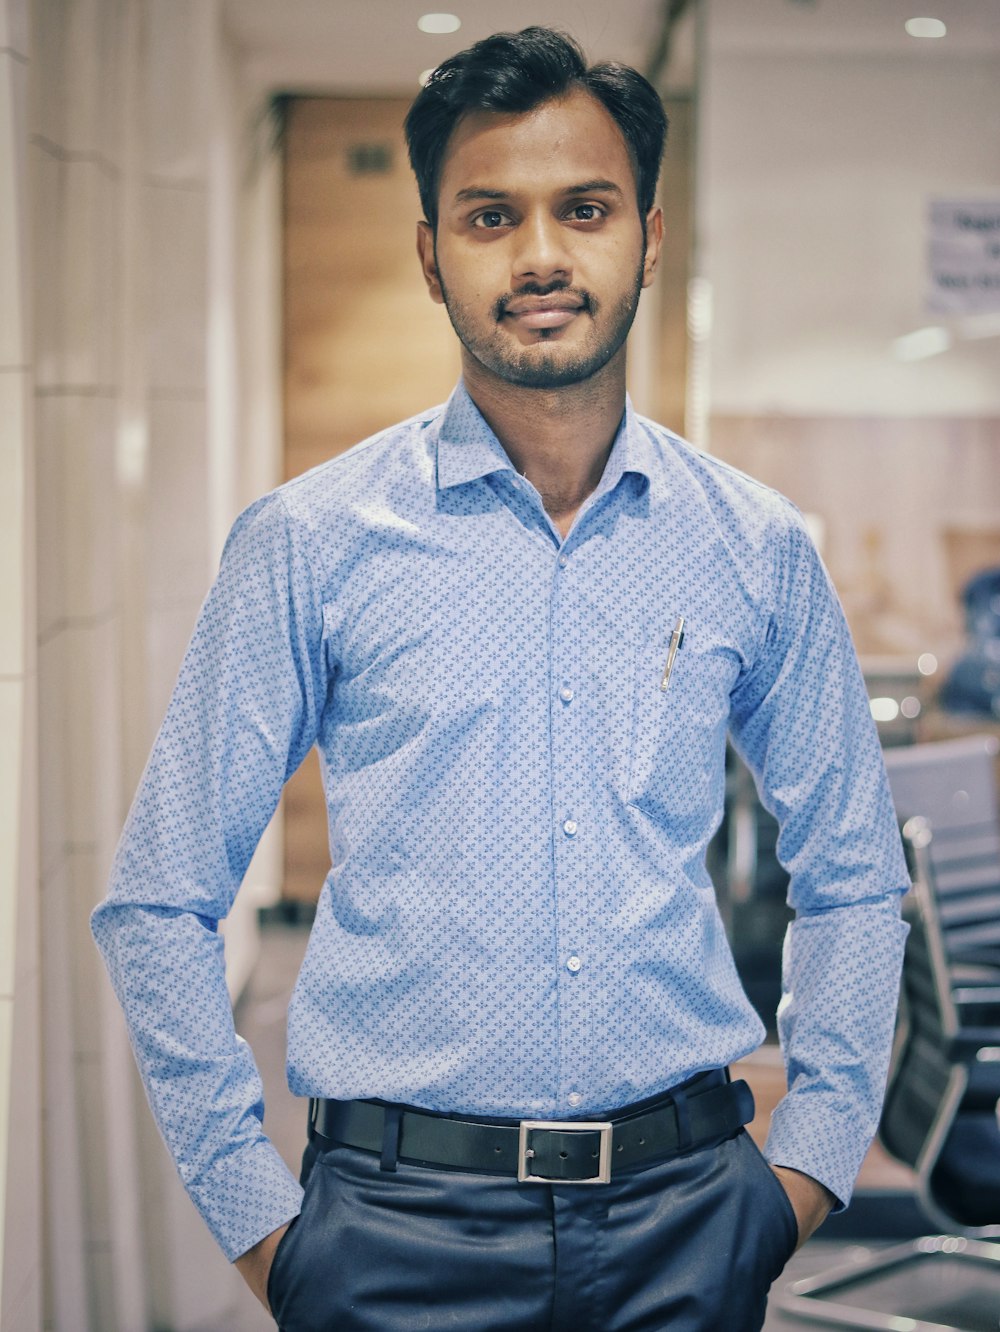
column 679, row 733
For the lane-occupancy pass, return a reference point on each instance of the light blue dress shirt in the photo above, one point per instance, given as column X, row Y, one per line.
column 517, row 920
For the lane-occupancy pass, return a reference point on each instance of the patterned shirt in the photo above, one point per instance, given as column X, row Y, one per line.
column 517, row 920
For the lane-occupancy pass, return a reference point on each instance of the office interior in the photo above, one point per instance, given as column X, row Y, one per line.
column 208, row 284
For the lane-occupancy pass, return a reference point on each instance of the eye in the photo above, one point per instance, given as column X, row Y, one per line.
column 489, row 220
column 586, row 212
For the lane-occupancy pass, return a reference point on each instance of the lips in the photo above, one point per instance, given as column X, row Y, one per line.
column 543, row 311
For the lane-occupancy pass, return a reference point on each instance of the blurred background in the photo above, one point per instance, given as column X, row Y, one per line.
column 208, row 283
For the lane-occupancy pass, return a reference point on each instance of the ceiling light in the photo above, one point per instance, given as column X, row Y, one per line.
column 925, row 27
column 884, row 709
column 921, row 343
column 436, row 23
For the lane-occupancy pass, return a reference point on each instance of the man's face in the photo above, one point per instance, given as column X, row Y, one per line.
column 540, row 252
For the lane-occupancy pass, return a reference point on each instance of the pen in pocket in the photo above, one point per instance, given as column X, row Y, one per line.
column 676, row 638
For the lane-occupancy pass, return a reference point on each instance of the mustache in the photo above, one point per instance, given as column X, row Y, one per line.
column 588, row 303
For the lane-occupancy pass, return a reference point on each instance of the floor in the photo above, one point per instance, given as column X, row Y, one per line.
column 883, row 1211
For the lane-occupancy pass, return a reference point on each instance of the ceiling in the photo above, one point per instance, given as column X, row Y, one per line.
column 374, row 46
column 354, row 47
column 856, row 26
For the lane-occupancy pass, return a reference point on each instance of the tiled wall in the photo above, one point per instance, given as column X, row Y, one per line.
column 119, row 208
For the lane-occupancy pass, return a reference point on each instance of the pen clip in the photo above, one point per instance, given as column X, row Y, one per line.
column 676, row 638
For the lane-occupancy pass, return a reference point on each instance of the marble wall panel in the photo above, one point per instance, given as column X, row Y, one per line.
column 176, row 276
column 50, row 490
column 13, row 103
column 13, row 517
column 86, row 885
column 53, row 774
column 178, row 562
column 89, row 285
column 48, row 171
column 83, row 75
column 90, row 514
column 66, row 1279
column 11, row 757
column 15, row 27
column 177, row 93
column 47, row 107
column 92, row 733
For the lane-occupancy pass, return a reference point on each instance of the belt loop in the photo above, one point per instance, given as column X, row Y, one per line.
column 390, row 1136
column 684, row 1136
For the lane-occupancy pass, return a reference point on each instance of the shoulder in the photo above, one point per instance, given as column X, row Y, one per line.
column 746, row 514
column 317, row 503
column 394, row 456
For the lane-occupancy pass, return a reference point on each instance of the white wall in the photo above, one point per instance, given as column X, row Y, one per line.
column 814, row 174
column 823, row 132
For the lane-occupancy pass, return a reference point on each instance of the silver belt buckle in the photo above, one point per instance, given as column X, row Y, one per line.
column 524, row 1152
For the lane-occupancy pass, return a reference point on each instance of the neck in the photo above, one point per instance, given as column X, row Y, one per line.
column 559, row 439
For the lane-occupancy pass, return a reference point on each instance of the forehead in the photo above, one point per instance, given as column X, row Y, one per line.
column 558, row 143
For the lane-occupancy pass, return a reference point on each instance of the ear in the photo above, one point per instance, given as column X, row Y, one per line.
column 428, row 261
column 654, row 239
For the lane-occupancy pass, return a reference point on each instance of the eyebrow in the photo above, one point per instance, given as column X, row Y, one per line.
column 476, row 192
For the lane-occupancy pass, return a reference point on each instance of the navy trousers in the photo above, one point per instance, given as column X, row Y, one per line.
column 691, row 1244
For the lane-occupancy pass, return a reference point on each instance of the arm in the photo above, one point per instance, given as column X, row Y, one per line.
column 801, row 718
column 243, row 715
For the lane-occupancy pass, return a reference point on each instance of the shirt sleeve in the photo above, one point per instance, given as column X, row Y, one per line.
column 243, row 715
column 801, row 720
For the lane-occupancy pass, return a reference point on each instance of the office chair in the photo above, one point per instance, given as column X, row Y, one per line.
column 940, row 1118
column 952, row 784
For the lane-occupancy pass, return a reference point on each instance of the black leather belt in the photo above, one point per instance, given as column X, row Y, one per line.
column 706, row 1107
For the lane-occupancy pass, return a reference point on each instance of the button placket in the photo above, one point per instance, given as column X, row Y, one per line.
column 572, row 833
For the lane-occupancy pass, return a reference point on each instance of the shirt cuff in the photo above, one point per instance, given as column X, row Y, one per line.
column 813, row 1133
column 245, row 1196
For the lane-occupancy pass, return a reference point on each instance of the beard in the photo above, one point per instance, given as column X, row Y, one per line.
column 546, row 364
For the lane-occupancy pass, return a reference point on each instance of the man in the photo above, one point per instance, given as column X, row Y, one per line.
column 518, row 628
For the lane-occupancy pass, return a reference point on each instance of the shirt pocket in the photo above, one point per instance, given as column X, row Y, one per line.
column 678, row 749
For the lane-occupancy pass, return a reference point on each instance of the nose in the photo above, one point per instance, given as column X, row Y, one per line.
column 542, row 254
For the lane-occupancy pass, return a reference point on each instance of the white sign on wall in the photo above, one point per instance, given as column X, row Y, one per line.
column 964, row 256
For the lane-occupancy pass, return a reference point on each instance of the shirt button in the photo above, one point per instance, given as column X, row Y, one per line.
column 563, row 561
column 566, row 694
column 573, row 963
column 569, row 827
column 574, row 1098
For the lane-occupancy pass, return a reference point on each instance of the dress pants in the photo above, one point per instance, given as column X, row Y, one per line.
column 691, row 1244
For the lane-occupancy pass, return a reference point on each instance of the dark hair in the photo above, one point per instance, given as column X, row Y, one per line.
column 515, row 72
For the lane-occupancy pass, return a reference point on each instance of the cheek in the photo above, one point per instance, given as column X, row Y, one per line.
column 474, row 278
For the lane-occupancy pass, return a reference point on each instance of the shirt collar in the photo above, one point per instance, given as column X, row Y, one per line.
column 467, row 448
